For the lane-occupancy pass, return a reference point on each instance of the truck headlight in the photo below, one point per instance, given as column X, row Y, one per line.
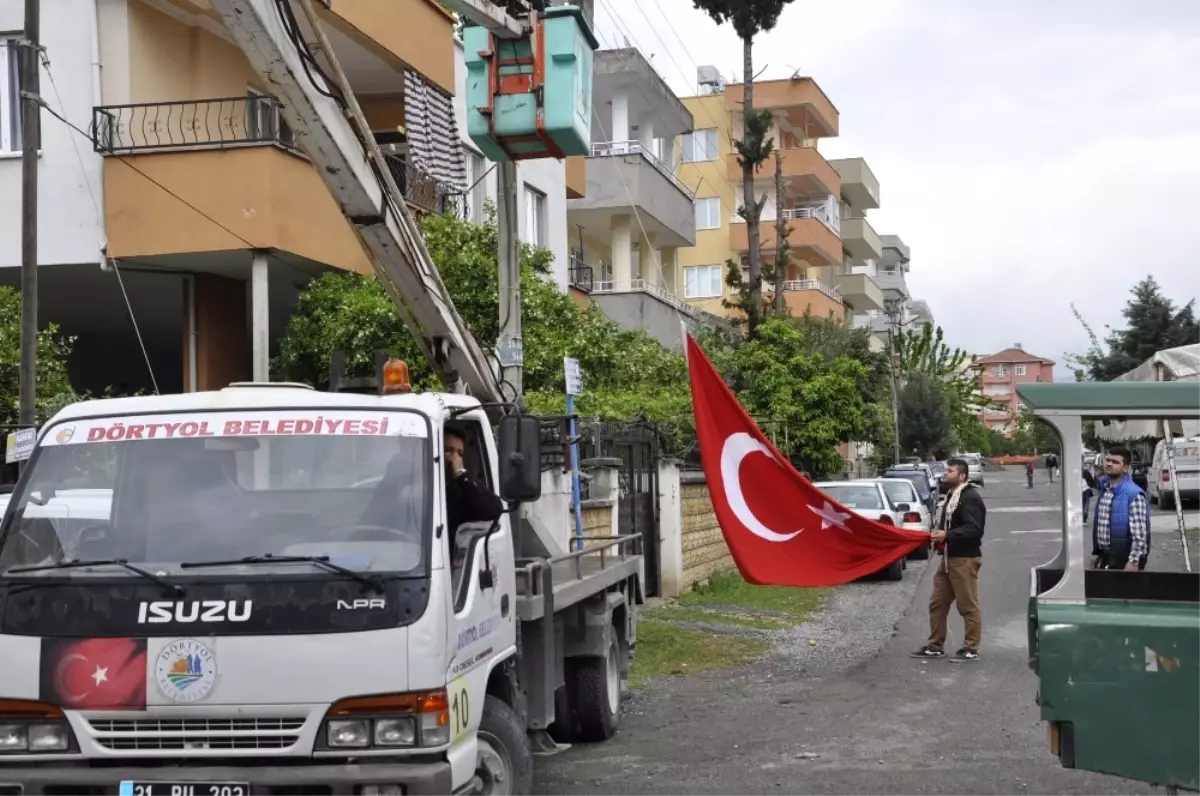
column 389, row 721
column 349, row 733
column 32, row 727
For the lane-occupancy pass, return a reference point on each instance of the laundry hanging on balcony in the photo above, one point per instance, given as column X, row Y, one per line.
column 433, row 143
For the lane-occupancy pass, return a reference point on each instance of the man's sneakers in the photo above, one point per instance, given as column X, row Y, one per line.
column 962, row 655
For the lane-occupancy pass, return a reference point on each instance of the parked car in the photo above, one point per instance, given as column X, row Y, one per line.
column 914, row 515
column 919, row 480
column 974, row 467
column 868, row 499
column 924, row 467
column 1187, row 471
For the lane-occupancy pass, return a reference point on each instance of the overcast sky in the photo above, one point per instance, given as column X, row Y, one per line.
column 1030, row 153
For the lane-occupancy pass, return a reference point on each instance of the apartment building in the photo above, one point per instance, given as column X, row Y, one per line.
column 636, row 215
column 901, row 312
column 1000, row 374
column 213, row 217
column 820, row 278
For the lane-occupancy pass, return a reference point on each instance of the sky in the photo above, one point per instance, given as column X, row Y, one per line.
column 1031, row 154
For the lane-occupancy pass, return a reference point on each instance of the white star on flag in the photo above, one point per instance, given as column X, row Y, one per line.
column 100, row 675
column 831, row 516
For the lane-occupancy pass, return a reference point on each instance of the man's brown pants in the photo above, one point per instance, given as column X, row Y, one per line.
column 960, row 584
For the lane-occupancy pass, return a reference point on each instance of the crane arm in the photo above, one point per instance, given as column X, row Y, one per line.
column 330, row 129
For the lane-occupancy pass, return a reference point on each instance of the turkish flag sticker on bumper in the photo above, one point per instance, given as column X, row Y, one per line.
column 94, row 673
column 780, row 529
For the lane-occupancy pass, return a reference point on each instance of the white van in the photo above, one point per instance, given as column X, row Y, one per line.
column 1187, row 469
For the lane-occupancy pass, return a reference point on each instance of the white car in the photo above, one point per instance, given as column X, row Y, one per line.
column 974, row 467
column 914, row 515
column 1187, row 471
column 867, row 499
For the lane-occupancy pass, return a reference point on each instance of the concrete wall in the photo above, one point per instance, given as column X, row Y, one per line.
column 69, row 227
column 546, row 176
column 612, row 180
column 641, row 310
column 692, row 546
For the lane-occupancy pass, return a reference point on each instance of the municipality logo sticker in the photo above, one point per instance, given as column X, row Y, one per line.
column 185, row 671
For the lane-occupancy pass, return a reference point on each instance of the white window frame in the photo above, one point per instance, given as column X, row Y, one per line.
column 477, row 168
column 698, row 148
column 1000, row 370
column 710, row 216
column 535, row 216
column 10, row 93
column 1020, row 370
column 695, row 290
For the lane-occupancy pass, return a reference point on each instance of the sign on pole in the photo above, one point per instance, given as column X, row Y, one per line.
column 20, row 445
column 574, row 378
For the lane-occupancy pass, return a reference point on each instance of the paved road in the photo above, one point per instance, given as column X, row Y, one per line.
column 889, row 724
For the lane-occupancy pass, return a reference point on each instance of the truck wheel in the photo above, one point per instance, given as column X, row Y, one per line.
column 505, row 762
column 596, row 694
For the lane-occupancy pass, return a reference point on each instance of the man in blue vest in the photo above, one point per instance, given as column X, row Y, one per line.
column 1121, row 525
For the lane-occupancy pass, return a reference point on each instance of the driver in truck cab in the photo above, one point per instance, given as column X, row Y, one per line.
column 467, row 498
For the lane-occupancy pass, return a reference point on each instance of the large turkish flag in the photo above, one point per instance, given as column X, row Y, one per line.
column 94, row 673
column 781, row 530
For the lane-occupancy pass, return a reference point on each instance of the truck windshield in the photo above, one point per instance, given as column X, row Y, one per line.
column 158, row 490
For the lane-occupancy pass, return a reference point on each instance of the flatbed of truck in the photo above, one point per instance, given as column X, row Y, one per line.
column 574, row 577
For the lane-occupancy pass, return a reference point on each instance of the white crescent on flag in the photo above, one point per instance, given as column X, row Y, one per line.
column 736, row 448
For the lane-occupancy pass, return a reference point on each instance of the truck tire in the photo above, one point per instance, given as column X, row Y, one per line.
column 596, row 694
column 505, row 762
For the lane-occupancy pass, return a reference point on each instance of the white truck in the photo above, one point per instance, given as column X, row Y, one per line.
column 270, row 599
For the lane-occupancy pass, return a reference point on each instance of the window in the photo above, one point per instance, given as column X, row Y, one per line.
column 476, row 186
column 702, row 281
column 708, row 214
column 263, row 120
column 1020, row 370
column 1000, row 370
column 535, row 216
column 10, row 96
column 700, row 145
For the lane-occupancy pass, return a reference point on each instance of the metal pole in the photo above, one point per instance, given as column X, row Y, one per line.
column 1169, row 441
column 30, row 138
column 575, row 472
column 509, row 346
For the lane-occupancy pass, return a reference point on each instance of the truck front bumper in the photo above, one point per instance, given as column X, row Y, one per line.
column 281, row 778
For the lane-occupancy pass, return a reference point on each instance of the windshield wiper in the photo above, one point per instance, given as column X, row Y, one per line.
column 268, row 558
column 75, row 563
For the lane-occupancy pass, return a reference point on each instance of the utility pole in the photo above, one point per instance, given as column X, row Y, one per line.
column 892, row 325
column 509, row 345
column 781, row 230
column 30, row 138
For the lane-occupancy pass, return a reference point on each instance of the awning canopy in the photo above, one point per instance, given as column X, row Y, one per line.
column 1172, row 364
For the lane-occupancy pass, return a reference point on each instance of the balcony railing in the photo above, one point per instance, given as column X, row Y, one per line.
column 813, row 284
column 579, row 275
column 642, row 286
column 795, row 213
column 423, row 191
column 610, row 149
column 192, row 124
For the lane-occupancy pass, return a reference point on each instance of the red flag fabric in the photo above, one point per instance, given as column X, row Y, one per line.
column 781, row 530
column 94, row 673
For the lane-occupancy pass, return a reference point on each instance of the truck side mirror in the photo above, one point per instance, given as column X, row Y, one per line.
column 520, row 443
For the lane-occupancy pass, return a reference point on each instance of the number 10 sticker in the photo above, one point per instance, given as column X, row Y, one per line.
column 460, row 708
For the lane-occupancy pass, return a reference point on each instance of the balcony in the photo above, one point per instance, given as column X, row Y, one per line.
column 813, row 297
column 812, row 235
column 246, row 186
column 892, row 282
column 859, row 292
column 623, row 173
column 860, row 240
column 799, row 102
column 860, row 187
column 580, row 275
column 639, row 304
column 805, row 172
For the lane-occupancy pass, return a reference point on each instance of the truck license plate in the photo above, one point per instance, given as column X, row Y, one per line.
column 129, row 788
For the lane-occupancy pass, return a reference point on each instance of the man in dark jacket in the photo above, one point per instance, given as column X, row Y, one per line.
column 467, row 499
column 958, row 536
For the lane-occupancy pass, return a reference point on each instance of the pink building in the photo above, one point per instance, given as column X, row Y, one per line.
column 1001, row 373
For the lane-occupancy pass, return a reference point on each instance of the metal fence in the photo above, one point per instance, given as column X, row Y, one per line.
column 422, row 190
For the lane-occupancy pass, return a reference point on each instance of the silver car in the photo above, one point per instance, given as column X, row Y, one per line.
column 974, row 467
column 914, row 514
column 868, row 499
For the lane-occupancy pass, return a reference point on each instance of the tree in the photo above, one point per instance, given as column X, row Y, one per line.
column 926, row 414
column 1154, row 324
column 926, row 352
column 1033, row 435
column 749, row 18
column 781, row 381
column 627, row 374
column 54, row 389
